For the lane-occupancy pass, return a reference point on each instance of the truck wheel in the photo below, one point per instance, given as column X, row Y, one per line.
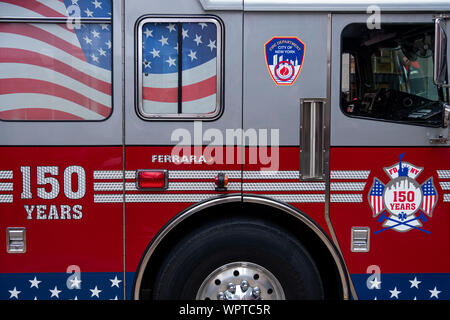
column 238, row 259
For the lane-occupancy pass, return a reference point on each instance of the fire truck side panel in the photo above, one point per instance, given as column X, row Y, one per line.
column 408, row 258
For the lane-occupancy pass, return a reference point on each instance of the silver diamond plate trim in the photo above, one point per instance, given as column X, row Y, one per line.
column 202, row 174
column 173, row 186
column 347, row 186
column 131, row 198
column 271, row 175
column 447, row 197
column 336, row 198
column 6, row 174
column 443, row 174
column 445, row 185
column 6, row 186
column 284, row 186
column 346, row 174
column 298, row 198
column 6, row 198
column 108, row 174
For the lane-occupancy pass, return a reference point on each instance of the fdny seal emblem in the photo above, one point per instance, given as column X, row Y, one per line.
column 284, row 59
column 402, row 204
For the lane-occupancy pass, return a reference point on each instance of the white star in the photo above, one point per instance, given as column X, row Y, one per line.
column 35, row 283
column 176, row 48
column 415, row 283
column 75, row 283
column 163, row 41
column 55, row 292
column 115, row 282
column 192, row 55
column 14, row 293
column 148, row 33
column 104, row 26
column 95, row 292
column 86, row 38
column 108, row 44
column 171, row 27
column 198, row 39
column 102, row 52
column 394, row 293
column 89, row 13
column 95, row 33
column 212, row 44
column 184, row 33
column 203, row 25
column 76, row 298
column 171, row 62
column 116, row 298
column 94, row 57
column 97, row 4
column 375, row 283
column 434, row 293
column 155, row 53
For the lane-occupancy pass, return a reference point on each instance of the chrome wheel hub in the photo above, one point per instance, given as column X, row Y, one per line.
column 240, row 281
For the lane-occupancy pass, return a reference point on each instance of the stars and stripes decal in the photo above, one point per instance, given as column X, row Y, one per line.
column 174, row 86
column 404, row 286
column 63, row 286
column 55, row 71
column 429, row 196
column 376, row 197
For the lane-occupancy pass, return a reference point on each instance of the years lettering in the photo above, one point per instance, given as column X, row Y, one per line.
column 45, row 183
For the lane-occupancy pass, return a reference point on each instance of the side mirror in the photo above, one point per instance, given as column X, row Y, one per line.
column 440, row 53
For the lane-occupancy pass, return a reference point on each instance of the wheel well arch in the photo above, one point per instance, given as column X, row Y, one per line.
column 326, row 256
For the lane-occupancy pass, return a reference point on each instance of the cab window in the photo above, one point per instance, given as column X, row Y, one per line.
column 387, row 74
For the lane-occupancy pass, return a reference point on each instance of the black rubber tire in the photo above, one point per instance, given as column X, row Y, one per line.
column 202, row 251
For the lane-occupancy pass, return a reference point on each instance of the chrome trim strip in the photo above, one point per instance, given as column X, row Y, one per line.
column 238, row 198
column 443, row 174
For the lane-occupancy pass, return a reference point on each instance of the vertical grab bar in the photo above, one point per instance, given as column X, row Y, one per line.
column 312, row 139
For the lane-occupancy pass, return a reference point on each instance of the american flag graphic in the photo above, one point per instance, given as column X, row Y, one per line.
column 376, row 197
column 49, row 71
column 429, row 197
column 160, row 67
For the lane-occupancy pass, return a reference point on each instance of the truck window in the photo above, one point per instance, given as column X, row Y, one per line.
column 179, row 66
column 392, row 76
column 55, row 69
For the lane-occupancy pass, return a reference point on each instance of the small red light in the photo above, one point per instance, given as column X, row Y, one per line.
column 152, row 179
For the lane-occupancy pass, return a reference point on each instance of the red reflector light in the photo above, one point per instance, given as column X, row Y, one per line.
column 152, row 179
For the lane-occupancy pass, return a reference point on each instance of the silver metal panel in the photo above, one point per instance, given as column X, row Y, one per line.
column 324, row 5
column 222, row 4
column 360, row 239
column 16, row 240
column 371, row 132
column 267, row 105
column 148, row 132
column 344, row 5
column 106, row 132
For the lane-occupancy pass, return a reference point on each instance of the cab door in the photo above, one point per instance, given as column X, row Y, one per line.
column 179, row 104
column 389, row 168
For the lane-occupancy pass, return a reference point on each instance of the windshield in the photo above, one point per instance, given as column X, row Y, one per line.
column 393, row 69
